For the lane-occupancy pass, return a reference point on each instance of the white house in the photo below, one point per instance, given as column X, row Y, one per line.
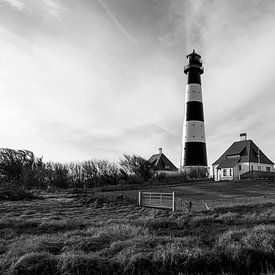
column 243, row 159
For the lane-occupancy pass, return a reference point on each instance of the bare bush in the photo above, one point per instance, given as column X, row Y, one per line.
column 108, row 172
column 90, row 170
column 138, row 166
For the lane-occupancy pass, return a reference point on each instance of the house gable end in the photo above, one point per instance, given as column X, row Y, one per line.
column 161, row 162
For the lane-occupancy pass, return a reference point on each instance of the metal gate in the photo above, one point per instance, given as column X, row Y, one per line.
column 157, row 200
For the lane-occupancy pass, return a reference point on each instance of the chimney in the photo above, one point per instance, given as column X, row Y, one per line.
column 243, row 136
column 160, row 150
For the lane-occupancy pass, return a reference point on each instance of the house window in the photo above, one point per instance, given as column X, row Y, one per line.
column 233, row 156
column 259, row 168
column 224, row 172
column 268, row 169
column 167, row 166
column 230, row 172
column 252, row 167
column 240, row 167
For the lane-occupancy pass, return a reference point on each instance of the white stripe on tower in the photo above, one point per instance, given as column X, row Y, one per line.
column 193, row 92
column 194, row 131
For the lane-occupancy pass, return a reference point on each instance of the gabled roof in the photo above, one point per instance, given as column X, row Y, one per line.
column 228, row 163
column 161, row 162
column 247, row 151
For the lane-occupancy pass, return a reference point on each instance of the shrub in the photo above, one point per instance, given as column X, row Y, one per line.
column 13, row 191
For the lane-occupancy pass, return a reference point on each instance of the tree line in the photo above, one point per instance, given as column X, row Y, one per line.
column 24, row 168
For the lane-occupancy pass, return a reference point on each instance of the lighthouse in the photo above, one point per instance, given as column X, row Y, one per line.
column 194, row 157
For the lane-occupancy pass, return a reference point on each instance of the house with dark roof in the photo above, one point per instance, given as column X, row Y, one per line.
column 161, row 163
column 243, row 159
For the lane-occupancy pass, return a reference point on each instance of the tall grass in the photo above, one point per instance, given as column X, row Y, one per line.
column 236, row 241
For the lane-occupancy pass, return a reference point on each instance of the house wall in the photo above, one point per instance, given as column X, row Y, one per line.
column 262, row 165
column 219, row 174
column 168, row 173
column 236, row 172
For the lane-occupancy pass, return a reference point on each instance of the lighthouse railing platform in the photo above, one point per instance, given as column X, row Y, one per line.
column 157, row 200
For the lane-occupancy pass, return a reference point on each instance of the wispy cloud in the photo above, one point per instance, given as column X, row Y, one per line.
column 77, row 87
column 117, row 23
column 53, row 8
column 15, row 4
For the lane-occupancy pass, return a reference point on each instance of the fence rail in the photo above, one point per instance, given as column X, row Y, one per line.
column 171, row 202
column 157, row 200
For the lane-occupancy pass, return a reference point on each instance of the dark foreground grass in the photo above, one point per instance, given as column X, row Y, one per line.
column 121, row 239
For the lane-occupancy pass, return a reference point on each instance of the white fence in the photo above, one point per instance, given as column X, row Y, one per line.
column 169, row 201
column 157, row 200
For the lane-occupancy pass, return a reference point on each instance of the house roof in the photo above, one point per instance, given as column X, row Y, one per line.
column 228, row 163
column 161, row 162
column 247, row 151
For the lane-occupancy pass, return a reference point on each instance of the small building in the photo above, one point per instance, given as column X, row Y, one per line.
column 162, row 164
column 243, row 159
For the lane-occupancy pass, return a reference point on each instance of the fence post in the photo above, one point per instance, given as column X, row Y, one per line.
column 173, row 202
column 139, row 198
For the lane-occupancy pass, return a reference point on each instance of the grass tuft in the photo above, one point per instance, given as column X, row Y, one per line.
column 80, row 263
column 35, row 263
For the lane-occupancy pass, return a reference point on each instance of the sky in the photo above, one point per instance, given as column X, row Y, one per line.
column 86, row 79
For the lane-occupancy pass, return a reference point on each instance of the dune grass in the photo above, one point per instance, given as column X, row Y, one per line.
column 79, row 237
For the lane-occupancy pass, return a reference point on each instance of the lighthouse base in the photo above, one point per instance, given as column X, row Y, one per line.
column 196, row 172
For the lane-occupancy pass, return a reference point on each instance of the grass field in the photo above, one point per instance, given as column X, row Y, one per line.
column 217, row 194
column 67, row 233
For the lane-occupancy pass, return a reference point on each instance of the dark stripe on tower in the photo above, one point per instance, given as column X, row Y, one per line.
column 193, row 76
column 195, row 154
column 194, row 111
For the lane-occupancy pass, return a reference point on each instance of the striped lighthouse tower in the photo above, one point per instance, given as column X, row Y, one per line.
column 194, row 156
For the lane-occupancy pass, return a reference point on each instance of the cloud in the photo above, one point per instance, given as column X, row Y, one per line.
column 117, row 23
column 89, row 143
column 72, row 85
column 15, row 4
column 53, row 8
